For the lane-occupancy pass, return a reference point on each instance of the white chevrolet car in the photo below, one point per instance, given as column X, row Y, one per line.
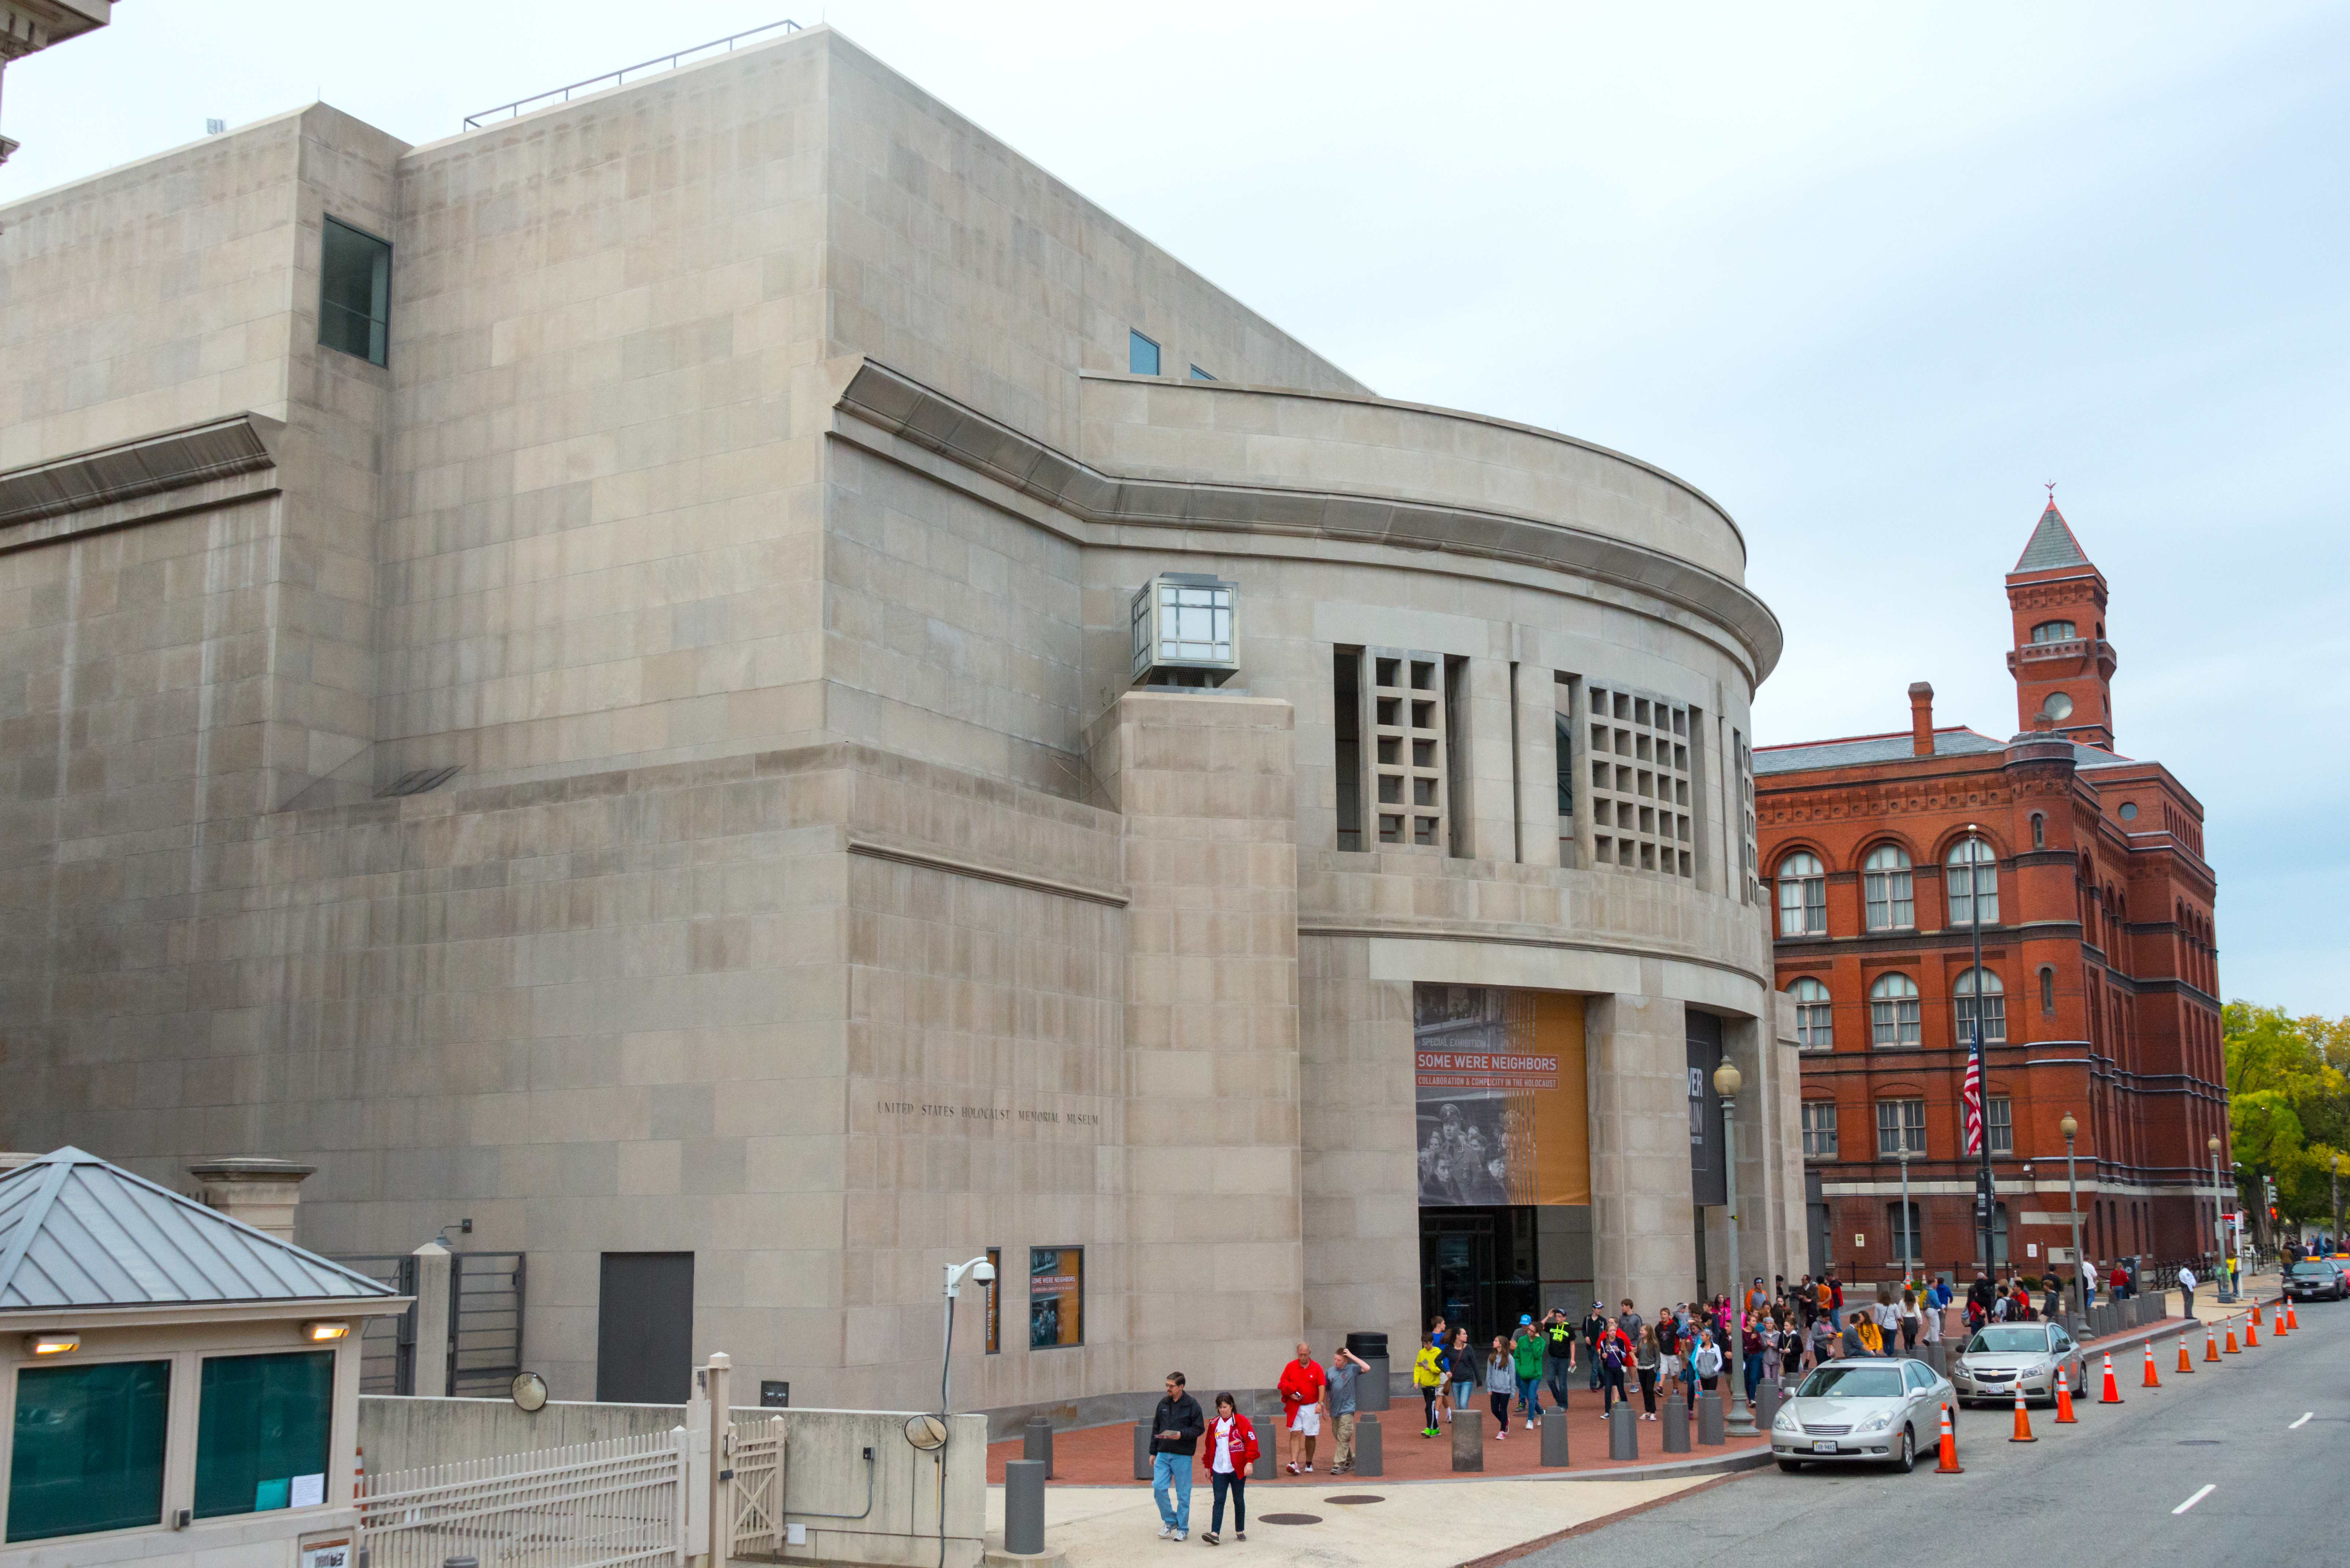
column 2001, row 1356
column 1869, row 1410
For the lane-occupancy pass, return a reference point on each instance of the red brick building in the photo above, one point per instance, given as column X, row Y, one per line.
column 2099, row 986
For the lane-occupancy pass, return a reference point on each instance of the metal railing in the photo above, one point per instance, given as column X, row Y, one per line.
column 662, row 62
column 621, row 1503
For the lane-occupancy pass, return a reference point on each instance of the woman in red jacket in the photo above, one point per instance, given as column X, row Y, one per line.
column 1230, row 1449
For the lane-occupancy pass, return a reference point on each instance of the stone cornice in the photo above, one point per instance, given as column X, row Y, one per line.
column 138, row 481
column 889, row 401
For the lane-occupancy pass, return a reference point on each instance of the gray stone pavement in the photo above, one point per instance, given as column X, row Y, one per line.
column 2109, row 1485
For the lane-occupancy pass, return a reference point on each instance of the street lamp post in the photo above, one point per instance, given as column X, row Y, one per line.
column 1727, row 1081
column 2068, row 1126
column 2336, row 1164
column 2220, row 1223
column 1908, row 1232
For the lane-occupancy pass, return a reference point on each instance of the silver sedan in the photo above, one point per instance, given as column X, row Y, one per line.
column 1868, row 1409
column 2004, row 1355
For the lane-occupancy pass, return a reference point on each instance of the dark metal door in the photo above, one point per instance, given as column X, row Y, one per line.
column 644, row 1329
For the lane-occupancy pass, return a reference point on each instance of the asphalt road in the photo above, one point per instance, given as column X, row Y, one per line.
column 2222, row 1444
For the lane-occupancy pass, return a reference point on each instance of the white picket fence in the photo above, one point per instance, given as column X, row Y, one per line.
column 616, row 1504
column 754, row 1452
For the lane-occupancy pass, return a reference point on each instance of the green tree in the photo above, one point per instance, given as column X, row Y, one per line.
column 2288, row 1106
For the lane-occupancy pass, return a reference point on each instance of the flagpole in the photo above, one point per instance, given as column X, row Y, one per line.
column 1984, row 1198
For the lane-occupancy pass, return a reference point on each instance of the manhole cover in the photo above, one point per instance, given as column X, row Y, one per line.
column 1289, row 1519
column 1350, row 1498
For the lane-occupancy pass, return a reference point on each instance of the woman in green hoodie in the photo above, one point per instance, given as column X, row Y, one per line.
column 1527, row 1351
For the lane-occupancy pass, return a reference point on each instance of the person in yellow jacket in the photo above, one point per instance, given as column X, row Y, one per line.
column 1428, row 1376
column 1872, row 1338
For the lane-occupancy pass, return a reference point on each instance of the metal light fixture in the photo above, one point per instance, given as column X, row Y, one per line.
column 325, row 1333
column 1183, row 625
column 52, row 1343
column 2068, row 1126
column 1727, row 1081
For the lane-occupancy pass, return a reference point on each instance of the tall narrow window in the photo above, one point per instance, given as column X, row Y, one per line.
column 1456, row 754
column 1903, row 1228
column 1893, row 1010
column 1978, row 992
column 354, row 292
column 1973, row 873
column 1803, row 896
column 2047, row 992
column 1900, row 1127
column 1347, row 715
column 1819, row 1129
column 2039, row 831
column 1886, row 882
column 1141, row 354
column 1814, row 1015
column 1999, row 1123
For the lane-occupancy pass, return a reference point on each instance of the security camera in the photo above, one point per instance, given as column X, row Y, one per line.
column 984, row 1274
column 977, row 1269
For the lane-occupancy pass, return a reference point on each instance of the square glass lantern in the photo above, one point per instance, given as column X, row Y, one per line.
column 1183, row 630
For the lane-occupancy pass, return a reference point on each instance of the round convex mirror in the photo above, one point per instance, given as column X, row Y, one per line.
column 529, row 1390
column 926, row 1432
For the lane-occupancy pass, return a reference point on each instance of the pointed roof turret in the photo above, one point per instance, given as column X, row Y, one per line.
column 2051, row 545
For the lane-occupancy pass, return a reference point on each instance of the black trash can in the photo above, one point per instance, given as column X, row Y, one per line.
column 1371, row 1388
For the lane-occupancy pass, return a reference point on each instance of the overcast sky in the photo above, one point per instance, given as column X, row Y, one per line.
column 1867, row 275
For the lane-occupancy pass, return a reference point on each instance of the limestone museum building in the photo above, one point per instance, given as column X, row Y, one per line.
column 731, row 683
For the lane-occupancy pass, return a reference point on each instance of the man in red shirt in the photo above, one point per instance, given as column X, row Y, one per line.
column 1302, row 1382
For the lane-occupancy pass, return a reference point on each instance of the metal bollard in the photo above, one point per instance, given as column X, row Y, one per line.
column 1623, row 1437
column 1024, row 1507
column 1468, row 1440
column 1554, row 1439
column 1036, row 1442
column 1766, row 1404
column 1708, row 1419
column 1142, row 1449
column 1676, row 1420
column 1370, row 1458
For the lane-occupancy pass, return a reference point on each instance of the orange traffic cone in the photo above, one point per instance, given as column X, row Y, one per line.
column 2151, row 1380
column 2253, row 1330
column 2256, row 1315
column 1949, row 1465
column 2281, row 1315
column 2233, row 1348
column 2023, row 1419
column 2292, row 1318
column 2184, row 1365
column 2113, row 1394
column 2064, row 1401
column 2210, row 1342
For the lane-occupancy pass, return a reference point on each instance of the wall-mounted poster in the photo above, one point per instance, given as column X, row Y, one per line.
column 995, row 1301
column 1057, row 1296
column 1498, row 1082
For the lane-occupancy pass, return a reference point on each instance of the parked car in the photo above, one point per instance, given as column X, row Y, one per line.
column 2002, row 1354
column 2316, row 1279
column 1869, row 1410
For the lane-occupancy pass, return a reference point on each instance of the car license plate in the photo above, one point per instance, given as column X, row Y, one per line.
column 1823, row 1445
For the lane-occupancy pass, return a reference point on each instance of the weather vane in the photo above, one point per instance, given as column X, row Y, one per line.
column 2052, row 492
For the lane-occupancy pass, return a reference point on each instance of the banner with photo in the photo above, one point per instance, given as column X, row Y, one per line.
column 1057, row 1296
column 1502, row 1102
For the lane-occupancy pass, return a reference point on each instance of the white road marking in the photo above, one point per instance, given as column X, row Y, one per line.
column 2297, row 1426
column 2199, row 1497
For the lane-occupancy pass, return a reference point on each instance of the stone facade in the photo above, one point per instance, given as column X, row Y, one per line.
column 748, row 510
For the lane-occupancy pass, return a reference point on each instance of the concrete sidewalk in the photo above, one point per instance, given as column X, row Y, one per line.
column 1407, row 1526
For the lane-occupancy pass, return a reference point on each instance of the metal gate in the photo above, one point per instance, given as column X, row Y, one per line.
column 485, row 1315
column 755, row 1453
column 616, row 1504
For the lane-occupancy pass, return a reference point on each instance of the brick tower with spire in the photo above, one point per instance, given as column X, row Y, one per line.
column 2062, row 665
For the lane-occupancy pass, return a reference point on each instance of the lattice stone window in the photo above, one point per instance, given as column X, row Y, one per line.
column 1643, row 784
column 1407, row 754
column 1749, row 857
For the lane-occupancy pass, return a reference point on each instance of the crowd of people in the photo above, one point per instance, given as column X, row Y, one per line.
column 1680, row 1350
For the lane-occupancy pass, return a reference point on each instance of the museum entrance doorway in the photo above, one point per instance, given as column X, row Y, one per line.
column 1477, row 1267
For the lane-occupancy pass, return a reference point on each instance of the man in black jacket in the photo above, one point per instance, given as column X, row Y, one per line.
column 1175, row 1428
column 1559, row 1352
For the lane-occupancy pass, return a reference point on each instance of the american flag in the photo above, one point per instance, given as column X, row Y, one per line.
column 1973, row 1094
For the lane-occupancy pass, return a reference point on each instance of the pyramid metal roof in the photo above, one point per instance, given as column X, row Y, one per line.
column 2051, row 545
column 75, row 1231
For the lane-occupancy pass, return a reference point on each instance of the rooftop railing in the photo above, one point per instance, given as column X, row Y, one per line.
column 614, row 79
